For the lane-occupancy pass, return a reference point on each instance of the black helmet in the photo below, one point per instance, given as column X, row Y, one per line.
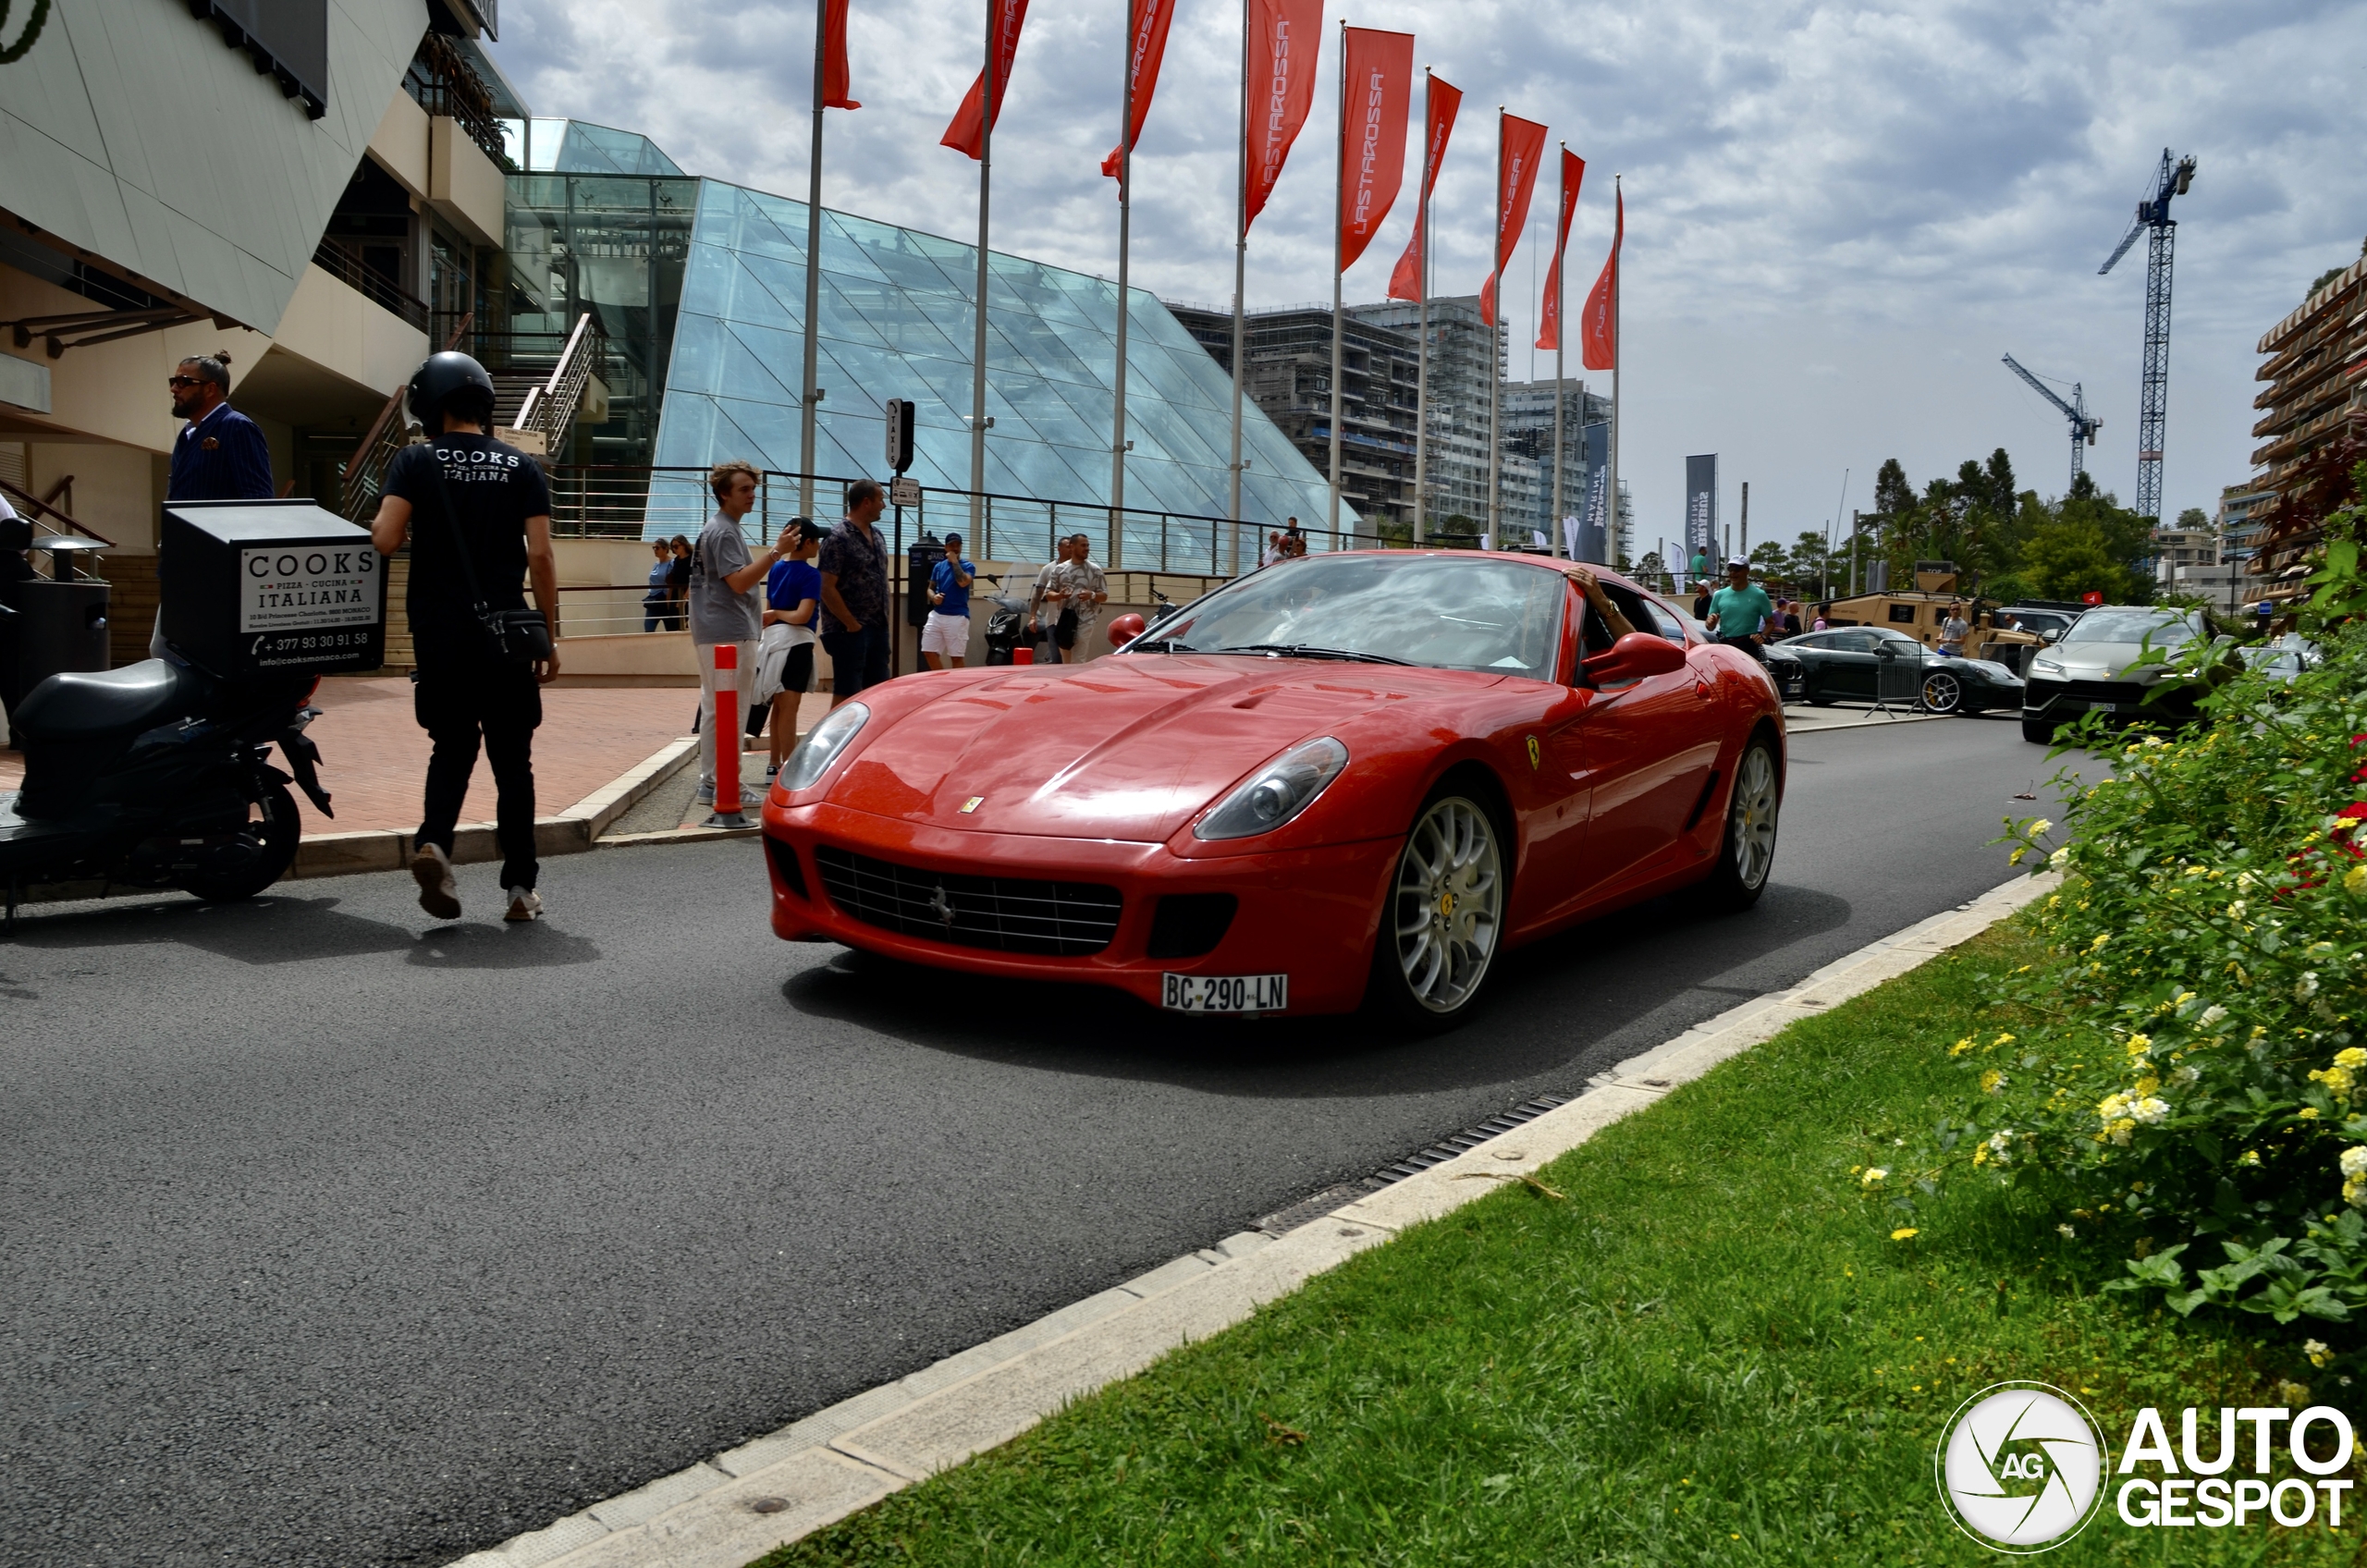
column 441, row 376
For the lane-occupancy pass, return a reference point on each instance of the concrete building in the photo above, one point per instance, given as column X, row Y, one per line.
column 1464, row 355
column 2315, row 404
column 1529, row 432
column 2237, row 521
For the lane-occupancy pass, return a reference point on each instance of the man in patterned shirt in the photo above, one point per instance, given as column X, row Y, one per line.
column 853, row 563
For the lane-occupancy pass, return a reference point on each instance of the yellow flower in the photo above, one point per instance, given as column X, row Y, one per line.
column 2016, row 858
column 2102, row 938
column 2351, row 1057
column 1961, row 1046
column 1980, row 1154
column 1992, row 1081
column 2146, row 1085
column 2309, row 1113
column 2250, row 1157
column 2039, row 827
column 2355, row 882
column 2000, row 1040
column 2139, row 1044
column 1874, row 1174
column 1904, row 1233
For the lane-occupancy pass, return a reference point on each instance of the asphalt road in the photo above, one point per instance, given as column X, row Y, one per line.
column 331, row 1237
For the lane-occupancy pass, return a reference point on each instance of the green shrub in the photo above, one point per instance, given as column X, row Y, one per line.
column 2183, row 1073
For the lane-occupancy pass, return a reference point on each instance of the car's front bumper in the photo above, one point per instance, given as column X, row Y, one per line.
column 1307, row 913
column 2059, row 701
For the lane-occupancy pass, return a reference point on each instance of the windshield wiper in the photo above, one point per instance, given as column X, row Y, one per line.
column 1161, row 645
column 1309, row 651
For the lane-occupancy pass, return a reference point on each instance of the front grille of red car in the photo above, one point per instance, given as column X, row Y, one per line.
column 1008, row 913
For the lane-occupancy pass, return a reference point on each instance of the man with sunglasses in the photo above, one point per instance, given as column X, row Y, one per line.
column 219, row 455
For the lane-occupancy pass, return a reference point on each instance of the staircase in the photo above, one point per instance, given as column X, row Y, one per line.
column 531, row 400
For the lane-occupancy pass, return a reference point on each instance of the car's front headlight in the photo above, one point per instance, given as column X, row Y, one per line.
column 1276, row 793
column 2046, row 666
column 820, row 746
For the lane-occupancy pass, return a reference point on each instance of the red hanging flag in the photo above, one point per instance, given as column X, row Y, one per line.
column 1520, row 147
column 1598, row 328
column 1285, row 37
column 1405, row 281
column 967, row 133
column 1378, row 83
column 1548, row 313
column 836, row 79
column 1151, row 19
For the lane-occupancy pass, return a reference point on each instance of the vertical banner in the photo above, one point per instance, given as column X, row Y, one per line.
column 1145, row 50
column 1405, row 281
column 1701, row 508
column 1598, row 327
column 1519, row 149
column 1588, row 536
column 837, row 82
column 1285, row 37
column 1548, row 313
column 967, row 133
column 1372, row 133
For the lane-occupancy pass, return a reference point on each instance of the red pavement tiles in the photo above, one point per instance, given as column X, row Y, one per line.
column 373, row 754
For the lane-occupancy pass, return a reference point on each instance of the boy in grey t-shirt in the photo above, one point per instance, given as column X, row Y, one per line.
column 724, row 609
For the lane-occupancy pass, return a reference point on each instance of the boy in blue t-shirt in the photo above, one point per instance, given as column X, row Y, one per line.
column 785, row 656
column 945, row 637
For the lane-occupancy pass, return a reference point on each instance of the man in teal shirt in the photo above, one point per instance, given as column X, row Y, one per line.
column 1739, row 609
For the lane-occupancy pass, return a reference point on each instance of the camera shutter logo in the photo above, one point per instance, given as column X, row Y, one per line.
column 2019, row 1467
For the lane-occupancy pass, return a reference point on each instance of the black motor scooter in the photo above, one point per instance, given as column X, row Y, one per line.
column 157, row 775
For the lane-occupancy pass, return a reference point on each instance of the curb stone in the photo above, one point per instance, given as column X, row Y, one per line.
column 728, row 1510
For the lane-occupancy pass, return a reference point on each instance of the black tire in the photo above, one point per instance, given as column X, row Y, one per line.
column 2038, row 732
column 1746, row 849
column 1443, row 921
column 272, row 832
column 1942, row 691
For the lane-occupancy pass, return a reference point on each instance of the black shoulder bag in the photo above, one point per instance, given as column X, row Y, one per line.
column 521, row 636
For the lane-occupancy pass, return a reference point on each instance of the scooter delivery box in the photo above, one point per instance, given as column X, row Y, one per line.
column 253, row 588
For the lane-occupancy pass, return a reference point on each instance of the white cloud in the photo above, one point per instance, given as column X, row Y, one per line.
column 1838, row 219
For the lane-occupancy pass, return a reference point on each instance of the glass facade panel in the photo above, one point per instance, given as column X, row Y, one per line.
column 700, row 287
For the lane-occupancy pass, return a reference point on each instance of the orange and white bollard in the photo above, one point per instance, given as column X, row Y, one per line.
column 726, row 720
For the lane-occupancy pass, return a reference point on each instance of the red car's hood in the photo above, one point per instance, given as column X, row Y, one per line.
column 1121, row 748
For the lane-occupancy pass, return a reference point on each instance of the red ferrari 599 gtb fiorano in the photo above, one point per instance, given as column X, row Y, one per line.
column 1348, row 779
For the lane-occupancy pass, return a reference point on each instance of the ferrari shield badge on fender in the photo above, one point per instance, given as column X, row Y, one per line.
column 1535, row 754
column 973, row 803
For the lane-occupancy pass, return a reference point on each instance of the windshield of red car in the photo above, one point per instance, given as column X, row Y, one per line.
column 1448, row 612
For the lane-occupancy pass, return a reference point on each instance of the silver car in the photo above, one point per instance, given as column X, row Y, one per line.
column 2094, row 668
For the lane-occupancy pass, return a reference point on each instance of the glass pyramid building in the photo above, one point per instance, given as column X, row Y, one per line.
column 719, row 303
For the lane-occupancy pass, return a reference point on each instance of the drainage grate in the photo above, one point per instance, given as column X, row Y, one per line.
column 1312, row 1208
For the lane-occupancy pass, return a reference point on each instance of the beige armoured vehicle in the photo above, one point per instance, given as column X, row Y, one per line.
column 1920, row 613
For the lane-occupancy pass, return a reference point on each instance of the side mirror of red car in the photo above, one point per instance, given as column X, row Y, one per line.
column 1633, row 657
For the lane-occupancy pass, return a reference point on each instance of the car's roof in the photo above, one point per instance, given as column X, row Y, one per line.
column 1542, row 563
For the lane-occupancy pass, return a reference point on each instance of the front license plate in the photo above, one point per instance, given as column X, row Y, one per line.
column 1224, row 992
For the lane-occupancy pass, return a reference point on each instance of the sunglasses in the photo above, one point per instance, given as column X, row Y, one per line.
column 178, row 381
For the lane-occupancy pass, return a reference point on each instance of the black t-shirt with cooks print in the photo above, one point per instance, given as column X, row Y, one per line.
column 494, row 488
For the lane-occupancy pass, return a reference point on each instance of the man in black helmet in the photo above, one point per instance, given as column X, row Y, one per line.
column 461, row 491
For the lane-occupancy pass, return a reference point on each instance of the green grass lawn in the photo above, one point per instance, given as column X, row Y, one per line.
column 1711, row 1352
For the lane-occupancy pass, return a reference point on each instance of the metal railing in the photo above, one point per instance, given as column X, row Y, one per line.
column 550, row 407
column 592, row 501
column 344, row 264
column 443, row 82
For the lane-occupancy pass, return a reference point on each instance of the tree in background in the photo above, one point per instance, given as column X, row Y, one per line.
column 2194, row 519
column 2009, row 544
column 1811, row 562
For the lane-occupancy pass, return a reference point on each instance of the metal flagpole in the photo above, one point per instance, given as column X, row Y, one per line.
column 1338, row 215
column 989, row 98
column 1559, row 298
column 1618, row 363
column 1125, row 216
column 813, row 394
column 1496, row 371
column 1422, row 361
column 1240, row 276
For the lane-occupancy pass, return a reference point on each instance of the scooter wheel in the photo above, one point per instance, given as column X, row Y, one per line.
column 270, row 848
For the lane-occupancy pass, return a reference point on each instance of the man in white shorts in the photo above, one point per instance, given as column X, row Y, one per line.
column 945, row 638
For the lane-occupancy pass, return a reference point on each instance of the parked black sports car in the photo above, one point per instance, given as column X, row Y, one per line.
column 1846, row 665
column 1791, row 674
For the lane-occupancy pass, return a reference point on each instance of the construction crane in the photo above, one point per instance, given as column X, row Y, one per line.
column 2171, row 179
column 2083, row 427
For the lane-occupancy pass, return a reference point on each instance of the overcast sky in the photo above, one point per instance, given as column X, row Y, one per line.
column 1838, row 216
